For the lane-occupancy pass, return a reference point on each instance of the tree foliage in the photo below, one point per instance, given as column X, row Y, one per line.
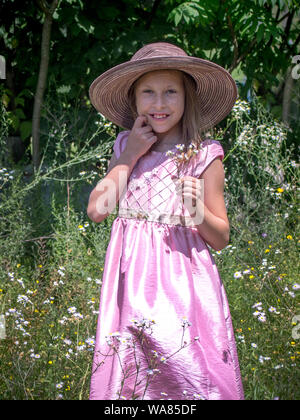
column 256, row 40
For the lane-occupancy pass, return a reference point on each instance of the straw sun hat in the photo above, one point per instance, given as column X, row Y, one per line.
column 216, row 89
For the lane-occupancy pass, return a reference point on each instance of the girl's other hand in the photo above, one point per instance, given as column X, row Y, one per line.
column 191, row 190
column 141, row 137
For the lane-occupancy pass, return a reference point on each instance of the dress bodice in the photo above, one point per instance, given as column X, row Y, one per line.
column 150, row 192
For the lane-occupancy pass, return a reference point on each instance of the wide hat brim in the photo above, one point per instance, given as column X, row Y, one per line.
column 216, row 89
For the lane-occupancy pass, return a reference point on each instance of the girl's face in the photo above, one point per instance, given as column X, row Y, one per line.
column 160, row 96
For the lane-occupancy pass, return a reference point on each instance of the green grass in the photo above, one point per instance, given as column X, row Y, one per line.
column 269, row 355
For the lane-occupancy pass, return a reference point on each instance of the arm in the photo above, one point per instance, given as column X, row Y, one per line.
column 105, row 196
column 214, row 228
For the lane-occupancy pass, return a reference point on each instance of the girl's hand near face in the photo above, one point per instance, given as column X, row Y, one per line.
column 105, row 196
column 141, row 137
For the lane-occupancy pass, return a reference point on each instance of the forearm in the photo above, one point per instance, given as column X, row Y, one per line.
column 105, row 196
column 214, row 230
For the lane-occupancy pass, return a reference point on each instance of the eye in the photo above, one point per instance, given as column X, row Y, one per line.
column 148, row 91
column 171, row 91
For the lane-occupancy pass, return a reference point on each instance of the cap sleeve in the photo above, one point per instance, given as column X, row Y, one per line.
column 211, row 149
column 120, row 143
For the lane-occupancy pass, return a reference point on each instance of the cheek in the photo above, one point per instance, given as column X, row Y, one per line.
column 179, row 104
column 137, row 103
column 141, row 103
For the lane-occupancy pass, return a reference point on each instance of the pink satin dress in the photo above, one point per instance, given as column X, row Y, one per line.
column 164, row 328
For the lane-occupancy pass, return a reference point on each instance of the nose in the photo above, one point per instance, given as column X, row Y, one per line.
column 159, row 101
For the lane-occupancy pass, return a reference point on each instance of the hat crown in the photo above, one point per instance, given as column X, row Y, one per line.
column 158, row 49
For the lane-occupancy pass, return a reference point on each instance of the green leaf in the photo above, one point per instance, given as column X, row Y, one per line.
column 177, row 18
column 19, row 101
column 25, row 92
column 189, row 11
column 176, row 15
column 84, row 24
column 25, row 129
column 267, row 35
column 260, row 33
column 19, row 113
column 13, row 120
column 186, row 18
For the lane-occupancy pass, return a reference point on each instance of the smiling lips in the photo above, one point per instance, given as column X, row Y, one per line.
column 159, row 116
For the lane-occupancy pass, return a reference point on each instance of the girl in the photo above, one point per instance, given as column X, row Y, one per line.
column 164, row 329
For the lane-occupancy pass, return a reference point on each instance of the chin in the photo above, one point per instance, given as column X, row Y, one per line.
column 160, row 130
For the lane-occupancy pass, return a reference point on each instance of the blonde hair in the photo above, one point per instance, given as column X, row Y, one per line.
column 191, row 119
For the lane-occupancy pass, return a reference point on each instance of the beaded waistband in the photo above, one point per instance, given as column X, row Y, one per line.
column 170, row 219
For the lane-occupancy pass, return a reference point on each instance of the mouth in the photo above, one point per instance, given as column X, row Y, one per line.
column 159, row 117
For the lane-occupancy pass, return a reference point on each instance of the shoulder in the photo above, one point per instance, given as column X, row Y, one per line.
column 123, row 135
column 120, row 142
column 210, row 150
column 212, row 146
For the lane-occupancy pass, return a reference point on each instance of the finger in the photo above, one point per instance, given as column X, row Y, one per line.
column 153, row 139
column 188, row 178
column 192, row 182
column 189, row 199
column 193, row 194
column 188, row 190
column 140, row 121
column 146, row 129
